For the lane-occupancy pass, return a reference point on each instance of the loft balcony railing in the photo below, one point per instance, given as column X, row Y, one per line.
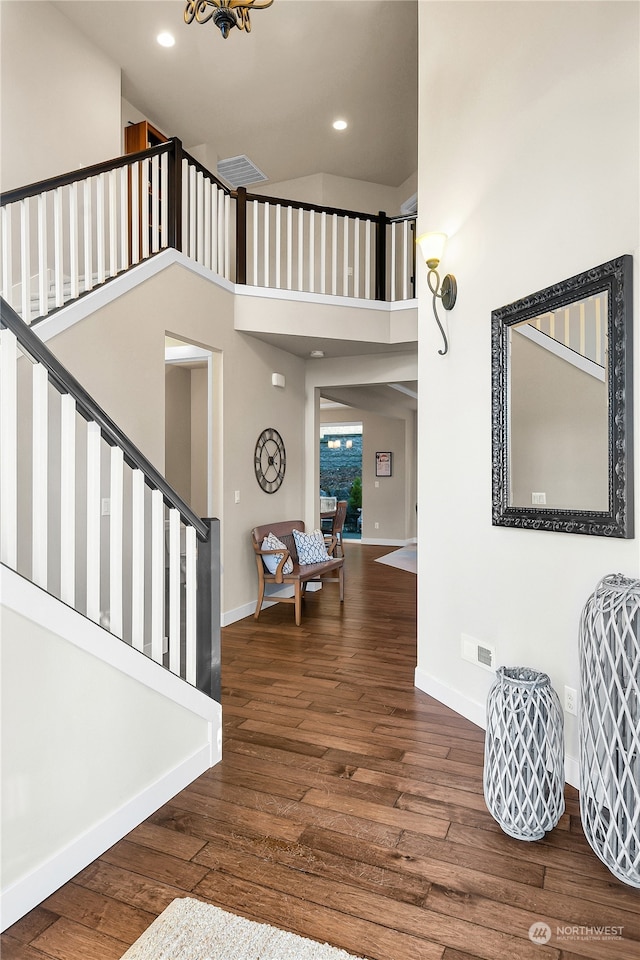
column 63, row 237
column 148, row 571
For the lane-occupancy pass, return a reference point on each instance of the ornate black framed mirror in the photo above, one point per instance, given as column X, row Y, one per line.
column 562, row 431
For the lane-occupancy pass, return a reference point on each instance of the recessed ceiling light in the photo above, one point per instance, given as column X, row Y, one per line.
column 166, row 39
column 339, row 124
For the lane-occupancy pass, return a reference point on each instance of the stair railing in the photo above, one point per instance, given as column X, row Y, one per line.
column 87, row 517
column 63, row 237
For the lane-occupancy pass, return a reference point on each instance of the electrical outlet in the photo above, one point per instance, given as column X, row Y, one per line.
column 571, row 701
column 106, row 507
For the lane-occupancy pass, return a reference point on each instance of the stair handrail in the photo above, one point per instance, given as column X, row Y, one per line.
column 65, row 382
column 207, row 530
column 176, row 162
column 105, row 166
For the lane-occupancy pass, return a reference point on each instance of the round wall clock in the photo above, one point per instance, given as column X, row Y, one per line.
column 270, row 460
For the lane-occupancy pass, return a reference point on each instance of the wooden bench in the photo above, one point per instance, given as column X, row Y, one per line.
column 329, row 571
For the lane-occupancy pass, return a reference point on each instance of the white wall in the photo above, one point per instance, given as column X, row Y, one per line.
column 528, row 159
column 327, row 190
column 95, row 737
column 384, row 499
column 60, row 96
column 118, row 354
column 397, row 428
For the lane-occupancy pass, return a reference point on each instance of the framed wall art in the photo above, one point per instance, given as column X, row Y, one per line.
column 384, row 461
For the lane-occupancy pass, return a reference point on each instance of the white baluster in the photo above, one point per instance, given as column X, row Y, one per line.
column 405, row 260
column 112, row 225
column 88, row 236
column 174, row 591
column 289, row 247
column 115, row 542
column 200, row 218
column 74, row 290
column 323, row 252
column 392, row 270
column 144, row 208
column 137, row 560
column 207, row 224
column 312, row 251
column 278, row 248
column 43, row 293
column 40, row 475
column 356, row 258
column 214, row 228
column 25, row 260
column 192, row 213
column 190, row 606
column 58, row 253
column 300, row 248
column 124, row 218
column 7, row 278
column 100, row 230
column 67, row 499
column 227, row 236
column 157, row 575
column 345, row 258
column 600, row 352
column 256, row 213
column 93, row 521
column 164, row 200
column 582, row 321
column 266, row 244
column 221, row 250
column 334, row 255
column 367, row 260
column 155, row 204
column 185, row 205
column 9, row 458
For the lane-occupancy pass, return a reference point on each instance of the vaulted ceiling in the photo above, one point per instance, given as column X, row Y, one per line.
column 273, row 93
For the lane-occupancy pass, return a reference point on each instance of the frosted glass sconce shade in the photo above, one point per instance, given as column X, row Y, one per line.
column 432, row 246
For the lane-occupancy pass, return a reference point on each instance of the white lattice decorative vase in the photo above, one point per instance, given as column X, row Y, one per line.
column 524, row 753
column 610, row 725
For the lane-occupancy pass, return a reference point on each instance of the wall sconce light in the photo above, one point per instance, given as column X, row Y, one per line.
column 432, row 247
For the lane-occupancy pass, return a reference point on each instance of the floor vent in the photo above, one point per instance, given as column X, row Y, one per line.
column 240, row 171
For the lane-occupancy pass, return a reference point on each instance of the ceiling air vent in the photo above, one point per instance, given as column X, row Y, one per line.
column 240, row 171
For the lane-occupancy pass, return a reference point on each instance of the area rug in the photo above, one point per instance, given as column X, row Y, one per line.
column 405, row 559
column 191, row 930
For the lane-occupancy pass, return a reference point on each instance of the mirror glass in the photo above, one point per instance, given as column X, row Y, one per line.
column 562, row 408
column 558, row 404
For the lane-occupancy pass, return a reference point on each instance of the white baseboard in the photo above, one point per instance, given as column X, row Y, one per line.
column 248, row 609
column 476, row 713
column 29, row 891
column 471, row 709
column 382, row 542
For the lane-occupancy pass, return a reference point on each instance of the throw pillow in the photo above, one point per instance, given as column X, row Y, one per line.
column 311, row 547
column 271, row 560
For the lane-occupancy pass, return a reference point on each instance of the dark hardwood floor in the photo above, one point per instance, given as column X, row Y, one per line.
column 348, row 808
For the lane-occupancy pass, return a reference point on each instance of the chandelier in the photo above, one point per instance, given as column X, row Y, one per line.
column 225, row 13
